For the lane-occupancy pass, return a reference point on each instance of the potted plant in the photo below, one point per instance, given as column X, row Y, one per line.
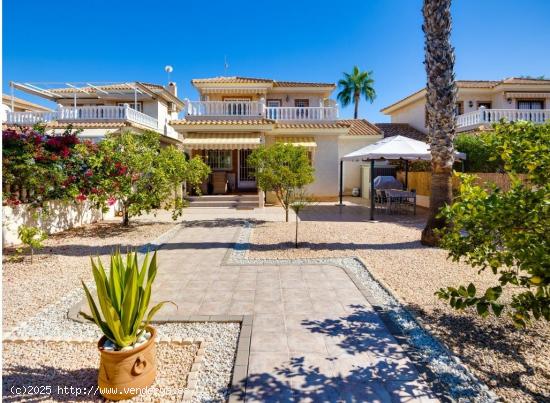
column 127, row 348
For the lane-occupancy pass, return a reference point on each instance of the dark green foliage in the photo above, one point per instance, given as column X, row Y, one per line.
column 506, row 232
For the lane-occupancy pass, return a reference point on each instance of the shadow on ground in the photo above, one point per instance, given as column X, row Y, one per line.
column 358, row 333
column 472, row 336
column 16, row 378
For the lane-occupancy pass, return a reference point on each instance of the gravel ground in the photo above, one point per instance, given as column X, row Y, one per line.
column 62, row 365
column 514, row 363
column 63, row 261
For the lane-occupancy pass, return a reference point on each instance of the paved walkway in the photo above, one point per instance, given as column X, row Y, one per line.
column 314, row 336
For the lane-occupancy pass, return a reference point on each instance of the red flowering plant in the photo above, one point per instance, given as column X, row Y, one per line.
column 39, row 167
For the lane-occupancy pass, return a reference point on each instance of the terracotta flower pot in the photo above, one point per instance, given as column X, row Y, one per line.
column 123, row 374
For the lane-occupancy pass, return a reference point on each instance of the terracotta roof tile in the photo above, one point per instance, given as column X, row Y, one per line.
column 361, row 127
column 401, row 129
column 301, row 84
column 251, row 80
column 226, row 122
column 107, row 87
column 312, row 125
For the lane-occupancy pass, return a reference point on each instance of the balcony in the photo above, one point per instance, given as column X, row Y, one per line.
column 258, row 109
column 84, row 114
column 486, row 117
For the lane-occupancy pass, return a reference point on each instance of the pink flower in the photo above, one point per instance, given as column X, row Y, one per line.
column 88, row 173
column 111, row 201
column 81, row 197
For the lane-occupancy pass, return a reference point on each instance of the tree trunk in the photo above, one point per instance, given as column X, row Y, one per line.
column 440, row 108
column 126, row 217
column 296, row 240
column 286, row 213
column 356, row 107
column 32, row 255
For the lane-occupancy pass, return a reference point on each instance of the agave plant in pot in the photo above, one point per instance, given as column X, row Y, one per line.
column 127, row 348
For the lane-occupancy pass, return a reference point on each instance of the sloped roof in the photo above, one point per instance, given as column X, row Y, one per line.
column 401, row 129
column 106, row 87
column 478, row 84
column 361, row 127
column 226, row 122
column 251, row 80
column 312, row 125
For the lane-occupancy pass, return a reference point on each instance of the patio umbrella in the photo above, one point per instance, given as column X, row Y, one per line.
column 390, row 148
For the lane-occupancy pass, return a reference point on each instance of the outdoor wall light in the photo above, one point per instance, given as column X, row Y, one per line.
column 509, row 100
column 470, row 103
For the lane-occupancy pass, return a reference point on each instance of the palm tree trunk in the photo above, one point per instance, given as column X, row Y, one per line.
column 356, row 97
column 440, row 107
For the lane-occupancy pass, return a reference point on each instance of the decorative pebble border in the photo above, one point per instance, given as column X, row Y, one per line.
column 220, row 344
column 443, row 370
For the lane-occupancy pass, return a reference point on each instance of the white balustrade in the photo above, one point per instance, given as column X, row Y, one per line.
column 29, row 118
column 84, row 114
column 490, row 116
column 224, row 108
column 302, row 113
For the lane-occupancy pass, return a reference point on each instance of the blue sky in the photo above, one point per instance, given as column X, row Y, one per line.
column 60, row 41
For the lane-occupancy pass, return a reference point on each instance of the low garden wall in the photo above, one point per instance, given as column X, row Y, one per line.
column 62, row 215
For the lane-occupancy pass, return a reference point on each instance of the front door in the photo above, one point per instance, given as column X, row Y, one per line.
column 246, row 172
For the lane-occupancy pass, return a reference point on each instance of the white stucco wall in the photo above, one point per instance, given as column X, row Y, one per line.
column 63, row 215
column 413, row 114
column 352, row 171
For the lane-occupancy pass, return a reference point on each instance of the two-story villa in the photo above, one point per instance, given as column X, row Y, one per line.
column 235, row 115
column 232, row 117
column 97, row 109
column 481, row 103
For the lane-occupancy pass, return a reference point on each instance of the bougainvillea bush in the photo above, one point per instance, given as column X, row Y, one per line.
column 38, row 167
column 129, row 168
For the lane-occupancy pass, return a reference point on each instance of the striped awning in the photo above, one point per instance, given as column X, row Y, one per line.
column 222, row 141
column 307, row 142
column 531, row 95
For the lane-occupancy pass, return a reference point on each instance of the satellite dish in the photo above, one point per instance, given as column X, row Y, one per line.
column 168, row 69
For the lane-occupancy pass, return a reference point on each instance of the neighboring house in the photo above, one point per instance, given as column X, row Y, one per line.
column 107, row 108
column 235, row 115
column 14, row 104
column 482, row 103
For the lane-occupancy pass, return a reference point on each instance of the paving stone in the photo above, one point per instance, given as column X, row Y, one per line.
column 273, row 342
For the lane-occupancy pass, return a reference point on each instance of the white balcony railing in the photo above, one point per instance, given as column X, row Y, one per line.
column 259, row 109
column 224, row 108
column 84, row 114
column 489, row 116
column 302, row 113
column 29, row 118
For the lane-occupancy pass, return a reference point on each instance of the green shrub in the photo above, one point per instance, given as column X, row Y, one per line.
column 32, row 237
column 506, row 232
column 123, row 297
column 480, row 153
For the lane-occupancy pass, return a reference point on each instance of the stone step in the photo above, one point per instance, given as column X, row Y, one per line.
column 232, row 198
column 225, row 203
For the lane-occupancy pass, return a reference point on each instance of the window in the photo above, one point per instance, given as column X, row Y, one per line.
column 274, row 103
column 301, row 103
column 485, row 104
column 218, row 159
column 459, row 108
column 133, row 105
column 524, row 104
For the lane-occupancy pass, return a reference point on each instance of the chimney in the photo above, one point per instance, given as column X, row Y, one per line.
column 172, row 88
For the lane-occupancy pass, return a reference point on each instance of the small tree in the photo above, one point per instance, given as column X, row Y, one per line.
column 31, row 237
column 178, row 170
column 506, row 232
column 299, row 202
column 134, row 178
column 283, row 169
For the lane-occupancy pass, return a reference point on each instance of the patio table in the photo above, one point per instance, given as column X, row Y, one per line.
column 401, row 198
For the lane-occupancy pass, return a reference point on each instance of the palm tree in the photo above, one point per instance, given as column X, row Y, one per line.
column 353, row 85
column 440, row 107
